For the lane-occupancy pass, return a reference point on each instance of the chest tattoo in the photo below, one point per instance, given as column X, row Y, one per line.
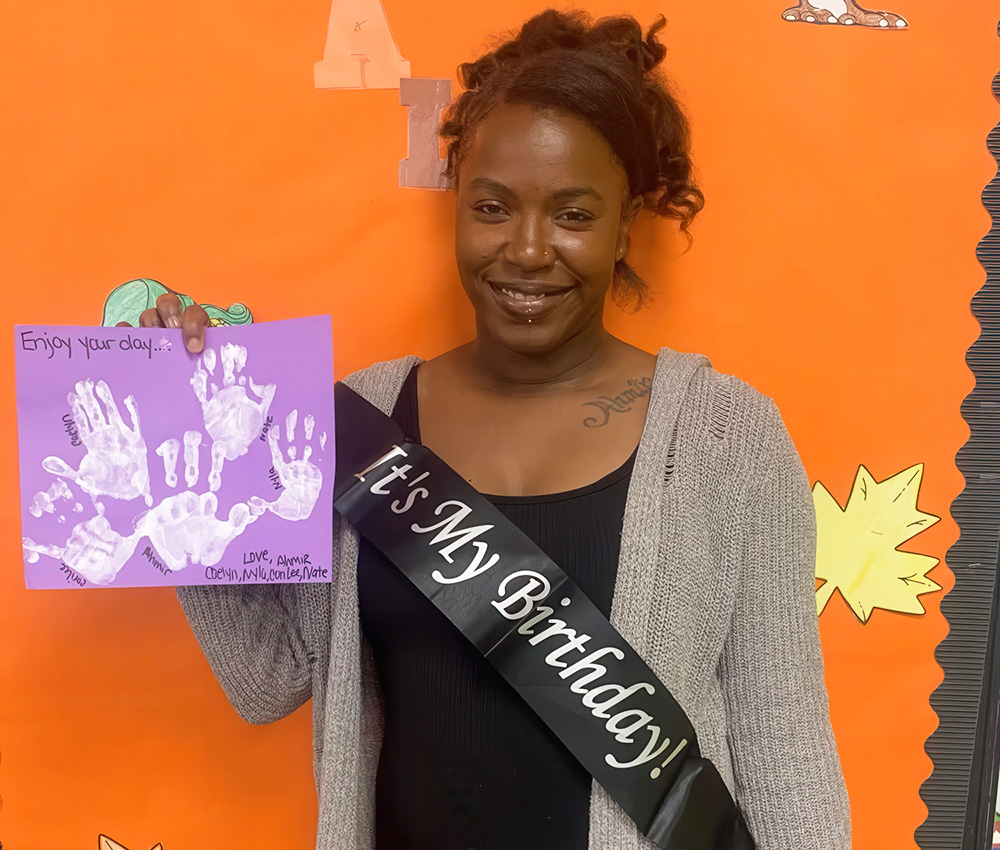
column 621, row 403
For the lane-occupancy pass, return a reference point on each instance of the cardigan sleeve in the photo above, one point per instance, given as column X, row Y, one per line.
column 262, row 641
column 788, row 777
column 253, row 640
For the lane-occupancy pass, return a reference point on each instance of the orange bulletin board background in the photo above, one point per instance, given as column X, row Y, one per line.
column 832, row 267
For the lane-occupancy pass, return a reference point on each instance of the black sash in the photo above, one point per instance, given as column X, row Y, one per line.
column 532, row 623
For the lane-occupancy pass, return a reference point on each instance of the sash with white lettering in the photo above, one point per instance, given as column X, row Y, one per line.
column 536, row 627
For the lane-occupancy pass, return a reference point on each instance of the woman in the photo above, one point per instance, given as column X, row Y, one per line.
column 669, row 492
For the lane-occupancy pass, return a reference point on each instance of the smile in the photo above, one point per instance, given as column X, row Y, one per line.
column 528, row 301
column 523, row 296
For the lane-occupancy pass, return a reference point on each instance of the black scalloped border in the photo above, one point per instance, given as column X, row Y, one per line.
column 964, row 746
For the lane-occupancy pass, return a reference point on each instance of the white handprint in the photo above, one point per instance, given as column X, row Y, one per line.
column 115, row 463
column 233, row 419
column 184, row 529
column 302, row 479
column 169, row 451
column 94, row 549
column 45, row 501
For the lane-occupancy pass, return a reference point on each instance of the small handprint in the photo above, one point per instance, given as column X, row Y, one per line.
column 44, row 502
column 169, row 450
column 94, row 549
column 184, row 529
column 232, row 418
column 115, row 463
column 301, row 478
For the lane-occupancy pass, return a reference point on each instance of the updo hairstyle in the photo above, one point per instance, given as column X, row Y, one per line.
column 604, row 73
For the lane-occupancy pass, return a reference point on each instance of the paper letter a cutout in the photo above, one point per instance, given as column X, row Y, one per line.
column 360, row 50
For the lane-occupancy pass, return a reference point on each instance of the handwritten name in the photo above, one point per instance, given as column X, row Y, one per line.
column 621, row 403
column 260, row 574
column 155, row 562
column 69, row 426
column 72, row 576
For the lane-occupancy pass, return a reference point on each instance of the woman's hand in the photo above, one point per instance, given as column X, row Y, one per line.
column 168, row 313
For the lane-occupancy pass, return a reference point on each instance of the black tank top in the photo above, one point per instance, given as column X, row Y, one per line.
column 465, row 763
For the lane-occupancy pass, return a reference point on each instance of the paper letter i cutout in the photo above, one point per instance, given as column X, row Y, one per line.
column 423, row 167
column 360, row 50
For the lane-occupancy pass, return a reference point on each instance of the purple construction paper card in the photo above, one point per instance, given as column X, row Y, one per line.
column 143, row 465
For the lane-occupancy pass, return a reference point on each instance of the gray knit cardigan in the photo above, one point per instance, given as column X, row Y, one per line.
column 715, row 590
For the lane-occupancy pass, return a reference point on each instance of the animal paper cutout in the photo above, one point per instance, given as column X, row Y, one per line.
column 126, row 303
column 843, row 12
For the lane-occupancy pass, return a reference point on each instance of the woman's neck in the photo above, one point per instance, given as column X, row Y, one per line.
column 578, row 361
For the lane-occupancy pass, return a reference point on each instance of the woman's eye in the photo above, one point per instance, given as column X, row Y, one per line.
column 576, row 216
column 490, row 208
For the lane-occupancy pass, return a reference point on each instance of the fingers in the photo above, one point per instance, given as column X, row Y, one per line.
column 133, row 413
column 114, row 416
column 170, row 313
column 218, row 458
column 193, row 321
column 208, row 504
column 276, row 459
column 150, row 319
column 85, row 394
column 257, row 506
column 234, row 358
column 169, row 451
column 265, row 392
column 57, row 466
column 80, row 417
column 124, row 325
column 192, row 440
column 169, row 308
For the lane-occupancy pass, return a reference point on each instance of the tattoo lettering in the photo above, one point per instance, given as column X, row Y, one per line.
column 621, row 403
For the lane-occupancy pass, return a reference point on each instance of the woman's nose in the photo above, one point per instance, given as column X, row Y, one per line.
column 528, row 247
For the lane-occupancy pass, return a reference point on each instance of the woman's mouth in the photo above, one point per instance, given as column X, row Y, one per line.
column 529, row 302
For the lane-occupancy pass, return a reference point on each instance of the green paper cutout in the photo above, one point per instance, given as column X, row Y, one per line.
column 126, row 303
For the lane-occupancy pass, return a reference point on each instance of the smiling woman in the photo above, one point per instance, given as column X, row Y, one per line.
column 680, row 509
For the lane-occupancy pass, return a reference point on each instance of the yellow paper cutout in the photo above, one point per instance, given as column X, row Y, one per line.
column 857, row 550
column 105, row 843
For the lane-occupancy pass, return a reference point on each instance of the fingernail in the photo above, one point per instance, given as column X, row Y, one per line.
column 173, row 321
column 194, row 345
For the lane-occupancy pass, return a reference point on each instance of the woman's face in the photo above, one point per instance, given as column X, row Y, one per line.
column 542, row 217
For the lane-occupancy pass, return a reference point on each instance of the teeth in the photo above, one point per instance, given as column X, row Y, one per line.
column 520, row 296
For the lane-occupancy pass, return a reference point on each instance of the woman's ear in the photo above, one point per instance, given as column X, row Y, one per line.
column 630, row 209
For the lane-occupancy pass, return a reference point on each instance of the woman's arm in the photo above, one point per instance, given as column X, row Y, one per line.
column 788, row 777
column 253, row 639
column 251, row 635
